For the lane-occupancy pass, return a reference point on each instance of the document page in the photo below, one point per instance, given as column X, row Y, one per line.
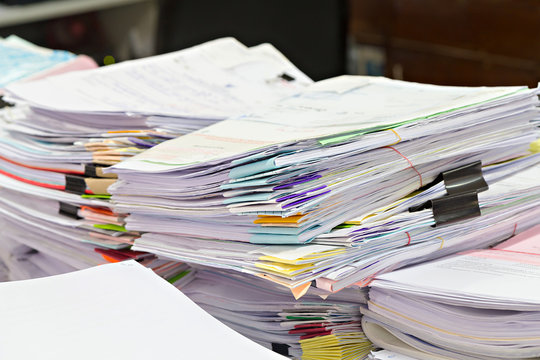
column 113, row 311
column 367, row 104
column 204, row 81
column 508, row 274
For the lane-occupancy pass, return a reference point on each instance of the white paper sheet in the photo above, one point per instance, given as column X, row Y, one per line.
column 115, row 311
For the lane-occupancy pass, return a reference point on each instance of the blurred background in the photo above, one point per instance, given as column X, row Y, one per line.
column 455, row 42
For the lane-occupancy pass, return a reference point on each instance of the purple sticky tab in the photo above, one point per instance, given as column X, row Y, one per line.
column 300, row 180
column 290, row 196
column 304, row 200
column 140, row 142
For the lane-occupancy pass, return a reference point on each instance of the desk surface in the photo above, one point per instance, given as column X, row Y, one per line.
column 22, row 14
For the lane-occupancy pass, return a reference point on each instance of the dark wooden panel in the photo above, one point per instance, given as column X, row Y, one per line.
column 465, row 41
column 435, row 69
column 506, row 27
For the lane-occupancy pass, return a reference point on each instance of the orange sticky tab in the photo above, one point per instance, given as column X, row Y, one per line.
column 126, row 131
column 98, row 210
column 109, row 259
column 300, row 291
column 365, row 282
column 278, row 220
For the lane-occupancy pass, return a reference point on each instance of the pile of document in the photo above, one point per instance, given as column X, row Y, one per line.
column 108, row 114
column 62, row 126
column 114, row 311
column 396, row 237
column 21, row 62
column 312, row 328
column 480, row 304
column 282, row 186
column 260, row 193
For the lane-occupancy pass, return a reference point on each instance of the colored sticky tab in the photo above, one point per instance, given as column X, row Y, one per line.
column 285, row 269
column 302, row 259
column 338, row 139
column 110, row 227
column 243, row 184
column 179, row 276
column 296, row 252
column 275, row 230
column 535, row 146
column 95, row 196
column 277, row 219
column 274, row 239
column 300, row 291
column 365, row 282
column 109, row 259
column 252, row 168
column 248, row 198
column 98, row 186
column 98, row 210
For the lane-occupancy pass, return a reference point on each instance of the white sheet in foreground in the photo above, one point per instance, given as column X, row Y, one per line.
column 114, row 311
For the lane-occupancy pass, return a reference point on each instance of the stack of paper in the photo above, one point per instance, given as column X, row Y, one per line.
column 21, row 61
column 342, row 149
column 481, row 304
column 114, row 311
column 395, row 237
column 38, row 240
column 20, row 262
column 108, row 114
column 511, row 205
column 53, row 190
column 312, row 328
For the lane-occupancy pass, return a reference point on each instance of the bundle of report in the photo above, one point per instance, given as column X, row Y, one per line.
column 110, row 113
column 312, row 328
column 487, row 307
column 341, row 150
column 22, row 61
column 47, row 146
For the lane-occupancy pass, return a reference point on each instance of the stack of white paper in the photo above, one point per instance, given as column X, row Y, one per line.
column 481, row 304
column 116, row 311
column 108, row 114
column 345, row 147
column 266, row 164
column 23, row 262
column 22, row 61
column 312, row 328
column 510, row 206
column 395, row 237
column 47, row 140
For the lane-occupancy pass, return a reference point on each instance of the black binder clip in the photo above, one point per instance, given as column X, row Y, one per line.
column 90, row 170
column 4, row 103
column 75, row 184
column 461, row 202
column 464, row 179
column 287, row 77
column 69, row 210
column 452, row 208
column 282, row 349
